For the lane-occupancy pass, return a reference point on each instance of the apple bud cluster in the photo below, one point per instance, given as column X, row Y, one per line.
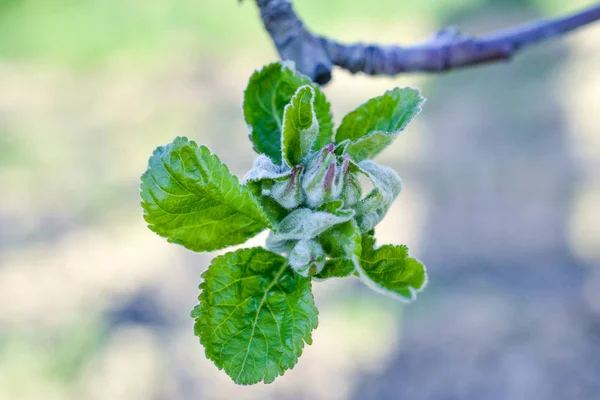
column 325, row 178
column 304, row 187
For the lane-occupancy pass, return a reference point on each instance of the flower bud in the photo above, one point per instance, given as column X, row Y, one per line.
column 334, row 185
column 322, row 181
column 307, row 258
column 351, row 192
column 288, row 191
column 279, row 246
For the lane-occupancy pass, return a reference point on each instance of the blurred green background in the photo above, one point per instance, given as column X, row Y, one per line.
column 501, row 201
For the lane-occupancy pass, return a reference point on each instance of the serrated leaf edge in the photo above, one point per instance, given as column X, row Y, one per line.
column 419, row 109
column 160, row 152
column 298, row 352
column 315, row 121
column 354, row 260
column 382, row 290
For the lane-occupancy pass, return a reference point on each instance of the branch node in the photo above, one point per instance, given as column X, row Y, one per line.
column 448, row 49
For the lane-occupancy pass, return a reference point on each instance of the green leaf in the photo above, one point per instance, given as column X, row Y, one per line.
column 273, row 210
column 265, row 98
column 369, row 146
column 387, row 185
column 388, row 113
column 300, row 126
column 191, row 198
column 340, row 147
column 342, row 243
column 254, row 316
column 331, row 207
column 391, row 271
column 336, row 268
column 377, row 123
column 304, row 224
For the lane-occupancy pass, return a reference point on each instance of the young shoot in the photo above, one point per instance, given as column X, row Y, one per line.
column 256, row 309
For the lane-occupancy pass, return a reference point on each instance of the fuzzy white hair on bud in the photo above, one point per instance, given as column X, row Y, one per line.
column 319, row 178
column 288, row 191
column 387, row 186
column 304, row 224
column 307, row 258
column 265, row 168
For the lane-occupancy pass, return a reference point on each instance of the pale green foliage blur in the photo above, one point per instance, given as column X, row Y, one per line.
column 75, row 32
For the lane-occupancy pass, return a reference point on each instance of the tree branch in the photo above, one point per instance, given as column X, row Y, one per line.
column 449, row 49
column 293, row 41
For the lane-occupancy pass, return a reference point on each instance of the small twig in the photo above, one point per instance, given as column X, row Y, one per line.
column 449, row 49
column 293, row 41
